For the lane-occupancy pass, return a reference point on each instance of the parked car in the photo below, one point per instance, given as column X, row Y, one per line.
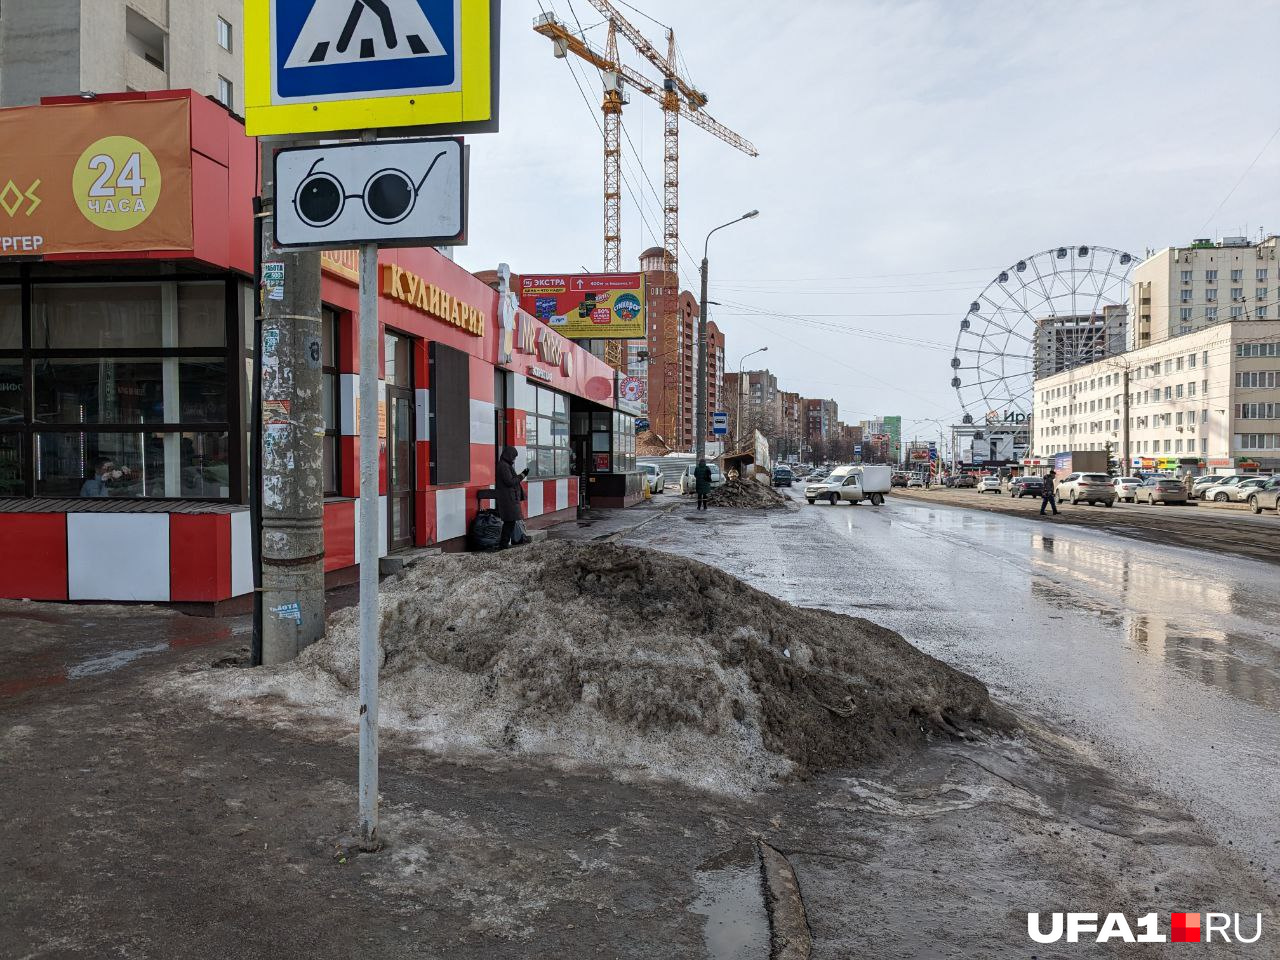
column 1202, row 484
column 916, row 483
column 898, row 480
column 989, row 484
column 657, row 482
column 1126, row 487
column 1090, row 488
column 1266, row 497
column 783, row 477
column 1221, row 486
column 1020, row 487
column 687, row 482
column 1165, row 490
column 965, row 480
column 1237, row 492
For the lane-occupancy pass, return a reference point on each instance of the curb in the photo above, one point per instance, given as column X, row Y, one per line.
column 789, row 935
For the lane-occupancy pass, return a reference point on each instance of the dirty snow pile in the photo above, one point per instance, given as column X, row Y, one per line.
column 601, row 654
column 741, row 492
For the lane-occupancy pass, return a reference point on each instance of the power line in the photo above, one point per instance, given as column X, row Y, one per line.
column 1249, row 168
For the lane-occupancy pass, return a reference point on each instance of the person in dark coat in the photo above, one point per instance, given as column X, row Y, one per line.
column 702, row 483
column 1048, row 497
column 509, row 494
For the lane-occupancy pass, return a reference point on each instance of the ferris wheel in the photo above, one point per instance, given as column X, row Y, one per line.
column 1052, row 311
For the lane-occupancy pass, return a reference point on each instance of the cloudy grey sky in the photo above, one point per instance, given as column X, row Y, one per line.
column 909, row 151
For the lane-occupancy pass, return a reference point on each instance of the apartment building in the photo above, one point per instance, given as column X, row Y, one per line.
column 1183, row 289
column 61, row 47
column 1069, row 341
column 1205, row 400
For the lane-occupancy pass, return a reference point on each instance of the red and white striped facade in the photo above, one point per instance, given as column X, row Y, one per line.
column 205, row 557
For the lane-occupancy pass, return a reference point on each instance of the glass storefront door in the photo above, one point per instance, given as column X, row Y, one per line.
column 398, row 373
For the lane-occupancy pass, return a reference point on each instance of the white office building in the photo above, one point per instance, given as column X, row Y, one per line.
column 1208, row 400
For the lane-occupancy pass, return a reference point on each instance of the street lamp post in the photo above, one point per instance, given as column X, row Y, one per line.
column 737, row 414
column 700, row 415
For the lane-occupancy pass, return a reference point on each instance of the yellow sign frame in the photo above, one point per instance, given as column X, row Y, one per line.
column 475, row 103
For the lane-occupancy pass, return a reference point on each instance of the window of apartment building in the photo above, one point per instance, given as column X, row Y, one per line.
column 1258, row 349
column 1237, row 313
column 1260, row 293
column 1167, row 445
column 1186, row 276
column 1178, row 393
column 1211, row 276
column 1204, row 444
column 224, row 34
column 1211, row 295
column 1211, row 313
column 1178, row 364
column 1261, row 313
column 144, row 38
column 1261, row 273
column 1184, row 314
column 1204, row 387
column 226, row 93
column 1191, row 389
column 1168, row 366
column 1204, row 358
column 1177, row 446
column 1168, row 393
column 1256, row 379
column 1178, row 419
column 1191, row 360
column 1237, row 293
column 1204, row 415
column 1184, row 296
column 1258, row 441
column 1237, row 275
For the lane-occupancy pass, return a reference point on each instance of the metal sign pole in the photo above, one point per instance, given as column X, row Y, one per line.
column 370, row 528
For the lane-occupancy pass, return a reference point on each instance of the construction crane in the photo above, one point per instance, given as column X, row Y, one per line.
column 677, row 97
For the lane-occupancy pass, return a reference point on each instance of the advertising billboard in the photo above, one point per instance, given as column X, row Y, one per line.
column 95, row 178
column 587, row 306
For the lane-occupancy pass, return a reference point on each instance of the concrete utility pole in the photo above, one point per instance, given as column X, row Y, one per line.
column 1126, row 461
column 703, row 388
column 292, row 494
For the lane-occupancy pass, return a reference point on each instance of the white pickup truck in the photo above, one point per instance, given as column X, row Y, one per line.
column 852, row 484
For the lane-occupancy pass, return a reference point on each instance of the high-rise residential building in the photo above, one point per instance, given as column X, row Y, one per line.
column 67, row 47
column 715, row 370
column 1063, row 342
column 1206, row 400
column 791, row 441
column 822, row 424
column 1183, row 289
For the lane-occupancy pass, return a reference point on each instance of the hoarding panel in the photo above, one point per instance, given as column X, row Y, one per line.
column 95, row 178
column 587, row 306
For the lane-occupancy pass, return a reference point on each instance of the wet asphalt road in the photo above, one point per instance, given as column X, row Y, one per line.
column 1165, row 660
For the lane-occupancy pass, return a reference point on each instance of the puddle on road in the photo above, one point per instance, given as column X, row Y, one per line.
column 731, row 897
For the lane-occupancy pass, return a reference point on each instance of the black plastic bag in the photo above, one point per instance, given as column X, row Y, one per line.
column 486, row 531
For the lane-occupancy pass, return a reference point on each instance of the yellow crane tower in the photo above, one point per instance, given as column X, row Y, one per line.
column 677, row 97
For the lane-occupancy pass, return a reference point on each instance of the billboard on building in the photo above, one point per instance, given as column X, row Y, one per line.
column 587, row 306
column 95, row 177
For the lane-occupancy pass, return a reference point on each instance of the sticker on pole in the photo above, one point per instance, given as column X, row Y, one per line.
column 315, row 66
column 395, row 192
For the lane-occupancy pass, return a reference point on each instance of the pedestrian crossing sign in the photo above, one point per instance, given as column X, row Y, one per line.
column 344, row 66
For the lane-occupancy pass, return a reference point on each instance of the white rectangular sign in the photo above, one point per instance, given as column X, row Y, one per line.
column 396, row 193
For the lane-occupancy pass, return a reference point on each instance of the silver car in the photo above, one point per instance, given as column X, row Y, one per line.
column 1235, row 489
column 1126, row 487
column 1164, row 490
column 1089, row 488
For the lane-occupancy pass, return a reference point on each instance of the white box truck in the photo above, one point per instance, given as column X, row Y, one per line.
column 852, row 484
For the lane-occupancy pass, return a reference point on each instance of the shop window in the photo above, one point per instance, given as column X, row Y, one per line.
column 133, row 464
column 12, row 483
column 202, row 315
column 12, row 392
column 10, row 318
column 88, row 316
column 450, row 413
column 397, row 369
column 547, row 434
column 100, row 390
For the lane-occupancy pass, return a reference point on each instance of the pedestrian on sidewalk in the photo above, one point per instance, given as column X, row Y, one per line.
column 1047, row 497
column 702, row 483
column 509, row 494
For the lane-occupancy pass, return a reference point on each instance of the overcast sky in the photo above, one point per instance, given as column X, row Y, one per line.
column 908, row 153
